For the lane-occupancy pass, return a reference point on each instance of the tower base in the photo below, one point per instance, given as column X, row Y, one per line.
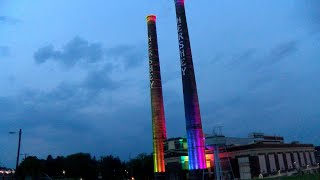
column 159, row 176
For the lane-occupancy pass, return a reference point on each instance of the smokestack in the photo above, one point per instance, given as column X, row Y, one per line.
column 158, row 118
column 195, row 137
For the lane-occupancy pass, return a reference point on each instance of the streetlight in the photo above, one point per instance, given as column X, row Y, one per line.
column 18, row 154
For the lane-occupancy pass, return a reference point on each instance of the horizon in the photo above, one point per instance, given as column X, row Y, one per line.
column 75, row 74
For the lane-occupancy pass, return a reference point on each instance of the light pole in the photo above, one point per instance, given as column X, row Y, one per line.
column 19, row 143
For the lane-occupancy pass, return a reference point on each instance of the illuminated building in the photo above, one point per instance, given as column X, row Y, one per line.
column 158, row 118
column 195, row 137
column 244, row 158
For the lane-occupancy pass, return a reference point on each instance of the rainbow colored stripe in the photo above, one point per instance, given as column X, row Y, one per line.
column 158, row 118
column 195, row 137
column 184, row 160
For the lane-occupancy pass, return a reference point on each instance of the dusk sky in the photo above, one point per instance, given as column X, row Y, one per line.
column 74, row 74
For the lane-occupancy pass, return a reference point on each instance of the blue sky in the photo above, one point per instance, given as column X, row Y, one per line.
column 74, row 74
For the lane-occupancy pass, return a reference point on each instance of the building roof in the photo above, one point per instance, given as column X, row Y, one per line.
column 261, row 145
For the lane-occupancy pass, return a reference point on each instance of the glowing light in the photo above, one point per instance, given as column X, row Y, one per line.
column 184, row 162
column 151, row 18
column 209, row 160
column 158, row 118
column 195, row 137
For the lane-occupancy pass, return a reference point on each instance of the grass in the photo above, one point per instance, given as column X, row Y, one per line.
column 301, row 177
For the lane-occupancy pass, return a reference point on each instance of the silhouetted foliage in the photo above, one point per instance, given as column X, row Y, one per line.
column 31, row 166
column 141, row 167
column 82, row 165
column 112, row 168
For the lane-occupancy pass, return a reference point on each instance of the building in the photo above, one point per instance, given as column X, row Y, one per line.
column 317, row 154
column 271, row 159
column 244, row 158
column 6, row 173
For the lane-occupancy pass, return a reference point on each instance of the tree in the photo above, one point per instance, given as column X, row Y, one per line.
column 80, row 165
column 111, row 167
column 141, row 167
column 53, row 167
column 31, row 166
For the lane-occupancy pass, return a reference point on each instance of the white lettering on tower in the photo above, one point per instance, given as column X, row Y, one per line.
column 150, row 61
column 181, row 47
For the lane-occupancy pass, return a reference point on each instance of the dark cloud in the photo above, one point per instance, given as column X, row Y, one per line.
column 239, row 60
column 265, row 90
column 4, row 51
column 277, row 54
column 283, row 50
column 98, row 80
column 10, row 20
column 252, row 60
column 243, row 57
column 58, row 109
column 45, row 53
column 40, row 114
column 77, row 117
column 130, row 56
column 76, row 51
column 279, row 104
column 217, row 58
column 80, row 51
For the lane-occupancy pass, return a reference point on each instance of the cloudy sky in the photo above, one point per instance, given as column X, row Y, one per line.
column 74, row 74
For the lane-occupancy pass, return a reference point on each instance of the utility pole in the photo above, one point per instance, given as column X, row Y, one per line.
column 18, row 154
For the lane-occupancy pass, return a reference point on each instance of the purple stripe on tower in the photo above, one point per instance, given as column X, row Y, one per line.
column 195, row 138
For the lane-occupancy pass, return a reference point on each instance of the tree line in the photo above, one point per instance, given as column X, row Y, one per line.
column 84, row 166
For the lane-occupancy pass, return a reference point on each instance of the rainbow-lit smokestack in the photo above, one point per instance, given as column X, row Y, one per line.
column 158, row 119
column 195, row 138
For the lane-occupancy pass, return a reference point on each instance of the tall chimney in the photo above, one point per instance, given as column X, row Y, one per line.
column 158, row 118
column 195, row 137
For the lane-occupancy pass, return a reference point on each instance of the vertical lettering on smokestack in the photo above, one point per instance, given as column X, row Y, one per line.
column 158, row 118
column 195, row 138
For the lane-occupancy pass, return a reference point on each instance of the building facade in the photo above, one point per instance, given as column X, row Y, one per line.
column 317, row 154
column 254, row 160
column 244, row 158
